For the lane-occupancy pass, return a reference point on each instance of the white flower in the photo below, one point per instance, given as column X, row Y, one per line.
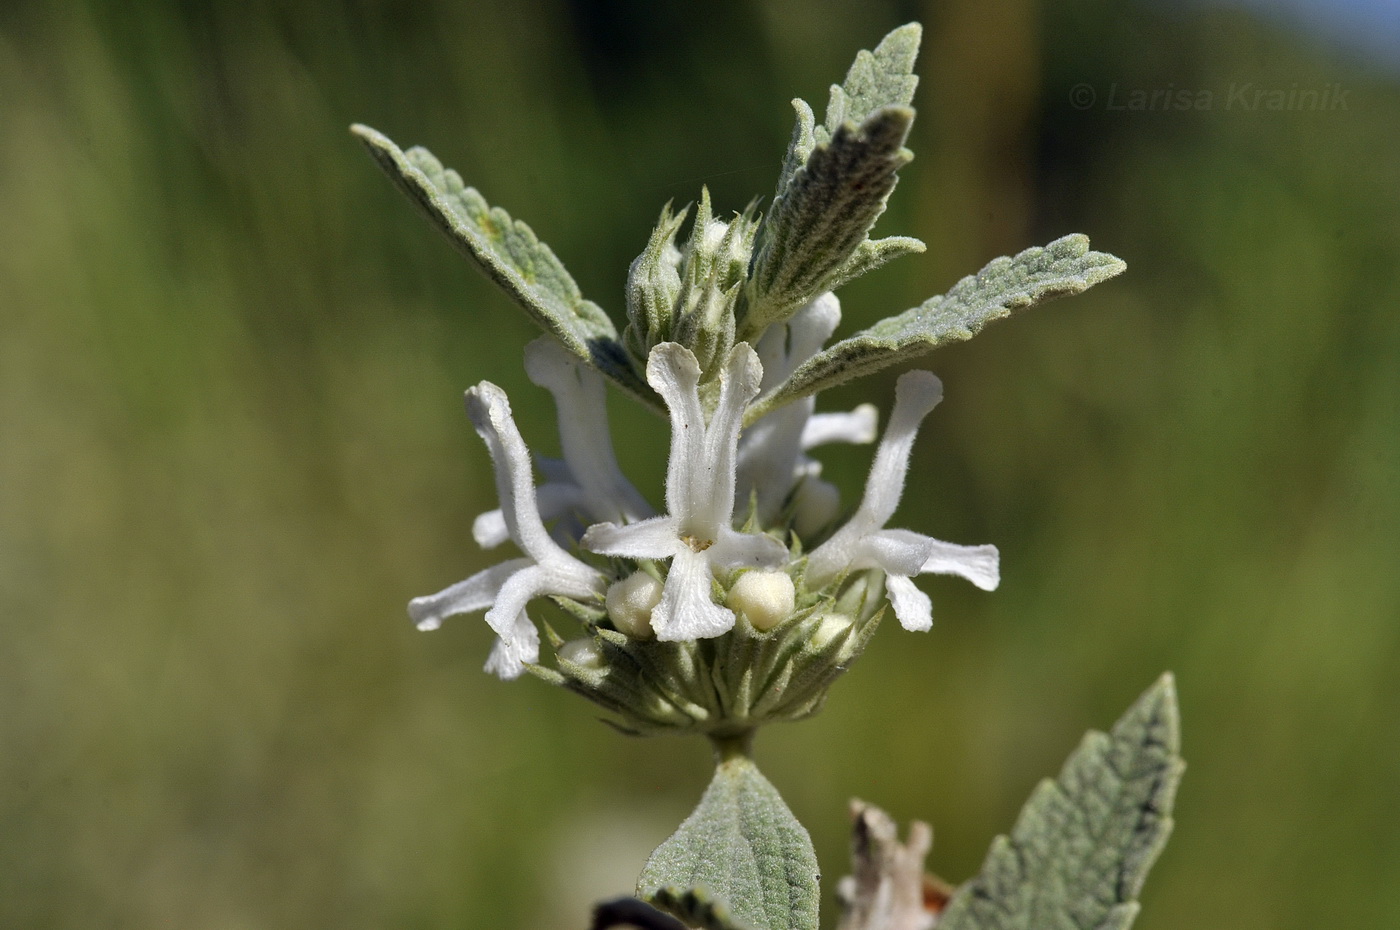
column 696, row 532
column 587, row 486
column 863, row 542
column 508, row 587
column 771, row 451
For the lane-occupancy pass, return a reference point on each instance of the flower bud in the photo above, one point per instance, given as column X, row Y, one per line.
column 583, row 652
column 766, row 598
column 630, row 603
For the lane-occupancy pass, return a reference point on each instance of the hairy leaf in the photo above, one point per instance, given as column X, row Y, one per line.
column 1065, row 266
column 1083, row 844
column 741, row 845
column 824, row 215
column 884, row 77
column 835, row 181
column 507, row 251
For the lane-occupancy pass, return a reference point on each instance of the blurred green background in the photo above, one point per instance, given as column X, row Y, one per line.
column 232, row 447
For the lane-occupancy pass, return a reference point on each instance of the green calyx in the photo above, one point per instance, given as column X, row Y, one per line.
column 728, row 686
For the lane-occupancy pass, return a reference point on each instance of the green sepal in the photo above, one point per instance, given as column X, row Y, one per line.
column 742, row 846
column 507, row 251
column 1065, row 266
column 1084, row 842
column 653, row 285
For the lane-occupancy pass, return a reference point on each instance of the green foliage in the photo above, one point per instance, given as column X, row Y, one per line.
column 1084, row 842
column 742, row 846
column 835, row 181
column 1065, row 266
column 507, row 251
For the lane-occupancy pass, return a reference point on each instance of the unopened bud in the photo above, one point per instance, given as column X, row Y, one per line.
column 582, row 652
column 630, row 603
column 766, row 598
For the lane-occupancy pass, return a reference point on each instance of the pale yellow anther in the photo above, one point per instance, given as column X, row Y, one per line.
column 766, row 598
column 630, row 603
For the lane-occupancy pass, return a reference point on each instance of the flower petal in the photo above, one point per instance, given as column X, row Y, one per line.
column 746, row 550
column 673, row 372
column 783, row 347
column 980, row 565
column 713, row 507
column 581, row 401
column 656, row 538
column 897, row 552
column 911, row 606
column 515, row 484
column 857, row 427
column 475, row 593
column 509, row 654
column 687, row 611
column 916, row 393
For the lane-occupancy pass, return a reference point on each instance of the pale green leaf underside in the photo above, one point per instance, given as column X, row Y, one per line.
column 741, row 845
column 1065, row 266
column 507, row 251
column 1080, row 850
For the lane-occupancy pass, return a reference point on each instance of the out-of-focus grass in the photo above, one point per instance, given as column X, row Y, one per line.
column 230, row 369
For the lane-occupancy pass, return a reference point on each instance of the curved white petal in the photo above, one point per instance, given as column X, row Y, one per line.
column 475, row 593
column 911, row 606
column 687, row 611
column 916, row 393
column 489, row 529
column 897, row 552
column 858, row 427
column 783, row 347
column 980, row 565
column 746, row 550
column 509, row 655
column 713, row 508
column 769, row 458
column 673, row 372
column 515, row 484
column 656, row 538
column 580, row 399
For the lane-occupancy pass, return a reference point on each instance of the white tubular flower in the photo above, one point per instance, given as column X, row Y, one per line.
column 770, row 453
column 508, row 587
column 696, row 533
column 588, row 481
column 863, row 542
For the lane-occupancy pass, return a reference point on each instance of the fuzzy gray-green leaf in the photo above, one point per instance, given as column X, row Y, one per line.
column 1065, row 266
column 742, row 846
column 1083, row 844
column 507, row 251
column 824, row 214
column 884, row 77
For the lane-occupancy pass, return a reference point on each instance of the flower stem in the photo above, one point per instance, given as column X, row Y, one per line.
column 733, row 746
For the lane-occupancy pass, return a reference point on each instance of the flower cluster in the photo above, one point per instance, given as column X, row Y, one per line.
column 744, row 505
column 754, row 589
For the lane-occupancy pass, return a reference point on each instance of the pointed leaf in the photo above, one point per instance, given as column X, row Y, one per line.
column 1084, row 842
column 882, row 78
column 743, row 846
column 507, row 251
column 824, row 214
column 834, row 184
column 1065, row 266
